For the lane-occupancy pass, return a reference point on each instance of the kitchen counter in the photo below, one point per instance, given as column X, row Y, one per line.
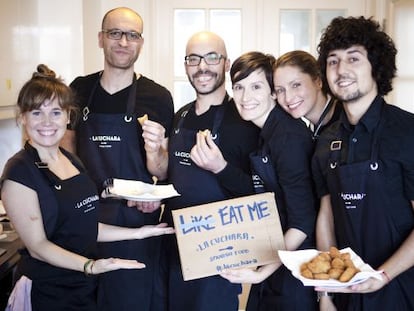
column 8, row 261
column 10, row 258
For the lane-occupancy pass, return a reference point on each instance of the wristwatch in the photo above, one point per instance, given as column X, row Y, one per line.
column 324, row 294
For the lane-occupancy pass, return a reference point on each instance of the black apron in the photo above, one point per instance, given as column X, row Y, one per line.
column 364, row 221
column 263, row 172
column 104, row 144
column 197, row 186
column 75, row 230
column 280, row 291
column 109, row 146
column 180, row 164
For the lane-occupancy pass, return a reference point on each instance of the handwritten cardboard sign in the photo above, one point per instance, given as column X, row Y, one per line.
column 230, row 234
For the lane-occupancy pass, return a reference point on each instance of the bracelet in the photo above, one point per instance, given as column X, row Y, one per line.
column 324, row 294
column 386, row 276
column 86, row 265
column 93, row 262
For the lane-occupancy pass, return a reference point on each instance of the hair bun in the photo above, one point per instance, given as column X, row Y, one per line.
column 44, row 72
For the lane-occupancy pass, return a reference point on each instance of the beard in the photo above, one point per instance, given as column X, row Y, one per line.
column 219, row 81
column 350, row 97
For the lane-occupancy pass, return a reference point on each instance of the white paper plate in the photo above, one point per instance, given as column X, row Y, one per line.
column 138, row 191
column 294, row 259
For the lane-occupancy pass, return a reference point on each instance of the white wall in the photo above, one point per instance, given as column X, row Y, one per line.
column 33, row 32
column 10, row 140
column 402, row 30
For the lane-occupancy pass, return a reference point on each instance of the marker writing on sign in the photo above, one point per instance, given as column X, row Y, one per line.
column 226, row 215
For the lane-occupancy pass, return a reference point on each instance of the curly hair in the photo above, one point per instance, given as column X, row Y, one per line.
column 249, row 62
column 342, row 33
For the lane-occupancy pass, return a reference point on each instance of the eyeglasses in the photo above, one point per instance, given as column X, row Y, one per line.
column 212, row 58
column 116, row 34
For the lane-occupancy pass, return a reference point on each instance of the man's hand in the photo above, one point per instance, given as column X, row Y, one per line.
column 206, row 154
column 145, row 207
column 154, row 136
column 155, row 144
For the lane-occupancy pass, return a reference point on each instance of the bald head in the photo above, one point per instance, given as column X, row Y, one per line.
column 205, row 42
column 123, row 15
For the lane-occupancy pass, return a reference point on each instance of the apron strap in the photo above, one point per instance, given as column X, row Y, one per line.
column 218, row 118
column 132, row 95
column 86, row 110
column 182, row 117
column 43, row 167
column 325, row 112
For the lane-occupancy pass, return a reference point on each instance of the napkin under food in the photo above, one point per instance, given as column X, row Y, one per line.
column 137, row 190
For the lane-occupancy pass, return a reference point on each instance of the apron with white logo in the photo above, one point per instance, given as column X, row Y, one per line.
column 110, row 147
column 364, row 221
column 76, row 230
column 199, row 186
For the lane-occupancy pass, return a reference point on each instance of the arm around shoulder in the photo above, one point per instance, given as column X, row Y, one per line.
column 325, row 232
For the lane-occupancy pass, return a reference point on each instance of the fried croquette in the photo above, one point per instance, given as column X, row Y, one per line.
column 349, row 263
column 348, row 274
column 319, row 266
column 334, row 252
column 324, row 256
column 321, row 276
column 338, row 263
column 307, row 273
column 335, row 273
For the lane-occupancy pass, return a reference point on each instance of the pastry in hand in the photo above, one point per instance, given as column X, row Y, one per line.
column 142, row 119
column 205, row 133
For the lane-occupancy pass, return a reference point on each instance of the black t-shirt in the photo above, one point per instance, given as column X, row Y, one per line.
column 151, row 98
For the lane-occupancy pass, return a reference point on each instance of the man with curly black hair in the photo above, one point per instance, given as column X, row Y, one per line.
column 363, row 167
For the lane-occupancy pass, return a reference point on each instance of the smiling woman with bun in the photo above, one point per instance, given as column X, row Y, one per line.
column 53, row 205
